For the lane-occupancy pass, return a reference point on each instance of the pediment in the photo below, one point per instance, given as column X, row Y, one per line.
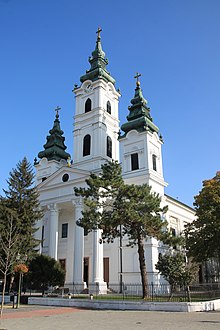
column 63, row 177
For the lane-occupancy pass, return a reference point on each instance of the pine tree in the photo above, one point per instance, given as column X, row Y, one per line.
column 110, row 205
column 44, row 272
column 138, row 210
column 22, row 198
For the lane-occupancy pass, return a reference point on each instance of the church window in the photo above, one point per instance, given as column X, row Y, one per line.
column 109, row 107
column 64, row 233
column 86, row 145
column 63, row 264
column 109, row 147
column 65, row 177
column 154, row 162
column 88, row 105
column 42, row 237
column 173, row 232
column 134, row 162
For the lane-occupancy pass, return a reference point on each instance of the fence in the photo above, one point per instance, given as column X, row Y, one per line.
column 155, row 292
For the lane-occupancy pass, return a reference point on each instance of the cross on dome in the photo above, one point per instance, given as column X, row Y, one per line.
column 98, row 33
column 57, row 110
column 137, row 77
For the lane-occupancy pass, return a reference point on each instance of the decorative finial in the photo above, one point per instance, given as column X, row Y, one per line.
column 137, row 77
column 98, row 33
column 69, row 161
column 57, row 110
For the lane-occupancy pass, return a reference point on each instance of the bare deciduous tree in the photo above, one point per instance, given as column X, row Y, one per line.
column 9, row 246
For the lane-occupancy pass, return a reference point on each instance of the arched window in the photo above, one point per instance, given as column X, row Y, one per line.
column 86, row 145
column 109, row 110
column 154, row 161
column 109, row 147
column 88, row 105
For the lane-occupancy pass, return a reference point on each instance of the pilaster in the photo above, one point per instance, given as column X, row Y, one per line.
column 53, row 242
column 78, row 246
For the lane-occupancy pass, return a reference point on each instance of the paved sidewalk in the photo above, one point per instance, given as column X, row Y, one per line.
column 65, row 318
column 29, row 311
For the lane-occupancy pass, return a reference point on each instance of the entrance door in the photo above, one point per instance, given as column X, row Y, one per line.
column 86, row 271
column 106, row 269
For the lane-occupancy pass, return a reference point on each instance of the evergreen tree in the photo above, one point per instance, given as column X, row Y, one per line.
column 110, row 205
column 138, row 209
column 99, row 199
column 44, row 272
column 202, row 235
column 22, row 198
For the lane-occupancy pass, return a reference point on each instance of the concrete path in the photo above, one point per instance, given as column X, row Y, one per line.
column 63, row 318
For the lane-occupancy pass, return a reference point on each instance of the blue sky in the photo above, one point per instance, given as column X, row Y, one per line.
column 174, row 44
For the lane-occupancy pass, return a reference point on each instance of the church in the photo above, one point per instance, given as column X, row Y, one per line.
column 97, row 138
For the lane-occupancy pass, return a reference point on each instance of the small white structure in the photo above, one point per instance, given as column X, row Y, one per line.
column 96, row 140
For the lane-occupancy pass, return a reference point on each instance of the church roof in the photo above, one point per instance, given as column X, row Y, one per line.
column 98, row 63
column 139, row 117
column 54, row 149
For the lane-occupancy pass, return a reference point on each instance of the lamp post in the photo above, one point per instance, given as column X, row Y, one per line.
column 20, row 268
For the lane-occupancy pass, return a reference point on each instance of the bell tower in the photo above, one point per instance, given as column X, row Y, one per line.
column 96, row 123
column 141, row 145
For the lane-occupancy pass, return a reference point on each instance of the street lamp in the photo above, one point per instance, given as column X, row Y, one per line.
column 20, row 268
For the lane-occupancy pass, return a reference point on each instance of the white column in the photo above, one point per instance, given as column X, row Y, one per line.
column 53, row 243
column 151, row 255
column 98, row 278
column 78, row 246
column 97, row 256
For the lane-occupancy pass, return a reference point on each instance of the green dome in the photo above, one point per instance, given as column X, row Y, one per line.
column 54, row 149
column 139, row 117
column 98, row 64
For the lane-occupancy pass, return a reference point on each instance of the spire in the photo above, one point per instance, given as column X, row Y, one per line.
column 98, row 63
column 139, row 117
column 54, row 149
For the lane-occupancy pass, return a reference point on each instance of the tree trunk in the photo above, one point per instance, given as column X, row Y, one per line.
column 188, row 293
column 11, row 282
column 3, row 293
column 171, row 291
column 143, row 268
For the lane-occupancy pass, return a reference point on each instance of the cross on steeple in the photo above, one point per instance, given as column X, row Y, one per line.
column 57, row 110
column 98, row 33
column 137, row 77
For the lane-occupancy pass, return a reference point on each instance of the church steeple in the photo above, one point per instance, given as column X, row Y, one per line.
column 96, row 122
column 98, row 63
column 141, row 145
column 139, row 117
column 54, row 149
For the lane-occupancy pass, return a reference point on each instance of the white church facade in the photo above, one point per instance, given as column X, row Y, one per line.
column 97, row 139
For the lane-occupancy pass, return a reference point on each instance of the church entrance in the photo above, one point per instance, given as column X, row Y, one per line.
column 106, row 270
column 86, row 271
